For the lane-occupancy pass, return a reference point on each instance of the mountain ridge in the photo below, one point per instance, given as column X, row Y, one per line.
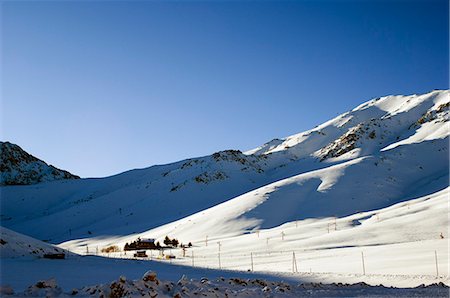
column 17, row 167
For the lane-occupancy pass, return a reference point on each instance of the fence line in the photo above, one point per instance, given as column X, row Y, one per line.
column 264, row 260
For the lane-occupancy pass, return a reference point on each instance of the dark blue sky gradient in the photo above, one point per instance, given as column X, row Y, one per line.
column 101, row 87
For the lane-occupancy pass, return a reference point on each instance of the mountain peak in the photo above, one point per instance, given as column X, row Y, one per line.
column 18, row 167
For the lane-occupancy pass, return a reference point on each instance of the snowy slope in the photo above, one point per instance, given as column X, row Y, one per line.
column 385, row 151
column 15, row 245
column 132, row 201
column 369, row 127
column 399, row 243
column 17, row 167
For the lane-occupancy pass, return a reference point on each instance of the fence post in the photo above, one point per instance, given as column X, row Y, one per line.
column 251, row 259
column 294, row 263
column 220, row 265
column 435, row 259
column 363, row 265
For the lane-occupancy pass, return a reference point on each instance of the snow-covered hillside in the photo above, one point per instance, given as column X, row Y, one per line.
column 15, row 245
column 17, row 167
column 362, row 197
column 384, row 151
column 399, row 240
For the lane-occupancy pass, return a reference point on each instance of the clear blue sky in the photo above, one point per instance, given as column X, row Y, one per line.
column 102, row 87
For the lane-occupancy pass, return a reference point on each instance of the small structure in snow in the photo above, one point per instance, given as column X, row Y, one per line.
column 140, row 254
column 146, row 243
column 59, row 256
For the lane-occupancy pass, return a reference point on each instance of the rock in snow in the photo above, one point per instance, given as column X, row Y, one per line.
column 221, row 287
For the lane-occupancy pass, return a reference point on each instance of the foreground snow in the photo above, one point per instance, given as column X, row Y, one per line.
column 94, row 276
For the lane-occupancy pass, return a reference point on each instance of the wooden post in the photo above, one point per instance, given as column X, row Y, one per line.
column 363, row 265
column 220, row 265
column 206, row 240
column 282, row 235
column 294, row 263
column 435, row 259
column 335, row 224
column 293, row 269
column 251, row 260
column 328, row 228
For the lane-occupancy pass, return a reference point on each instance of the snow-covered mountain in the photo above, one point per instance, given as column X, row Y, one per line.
column 384, row 151
column 370, row 186
column 17, row 167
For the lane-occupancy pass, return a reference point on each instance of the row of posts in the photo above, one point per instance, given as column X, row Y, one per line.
column 294, row 259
